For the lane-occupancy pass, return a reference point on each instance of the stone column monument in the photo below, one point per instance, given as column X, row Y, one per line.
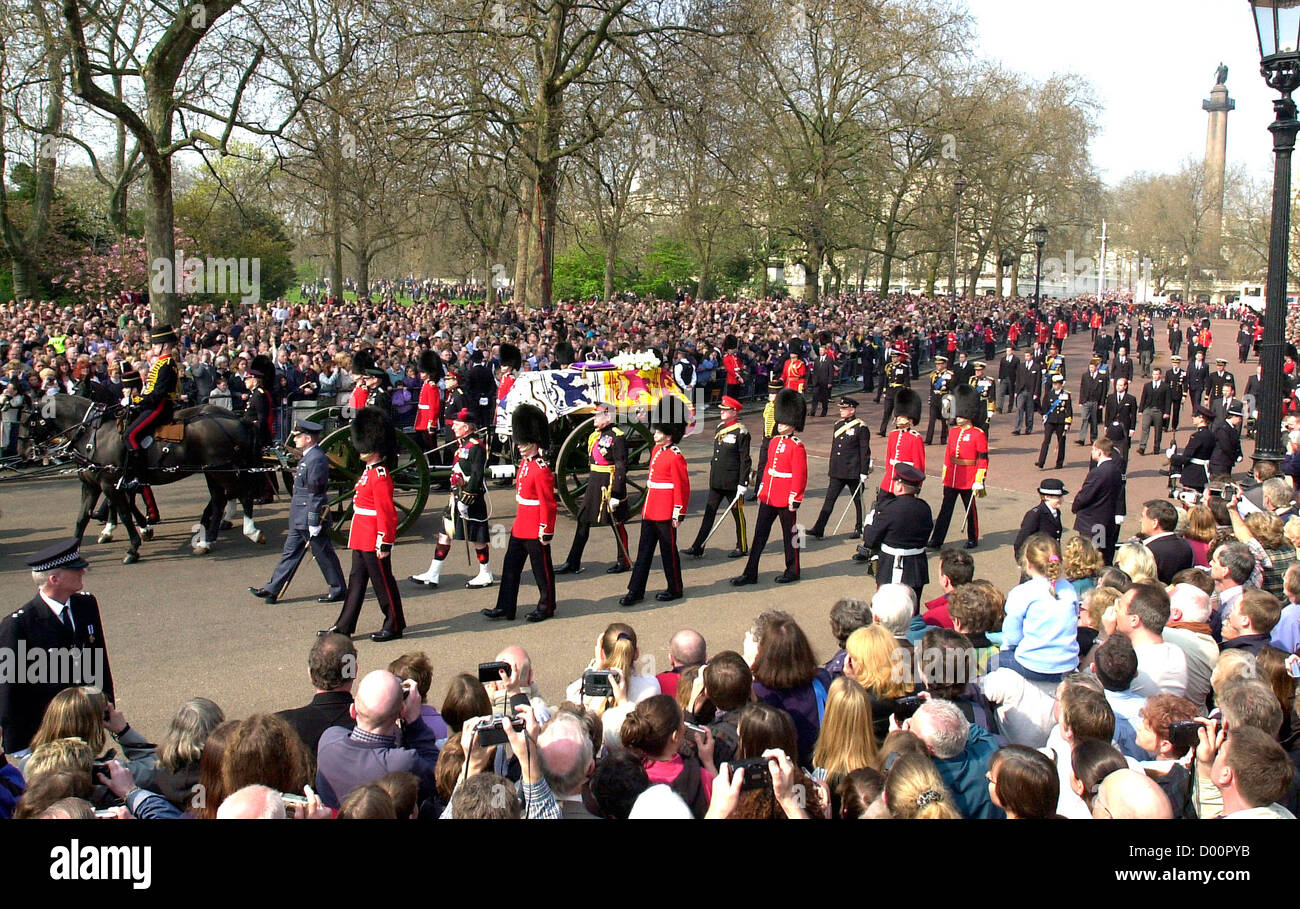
column 1216, row 150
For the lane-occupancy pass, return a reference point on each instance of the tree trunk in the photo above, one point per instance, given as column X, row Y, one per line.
column 997, row 273
column 548, row 185
column 160, row 242
column 932, row 275
column 1015, row 279
column 887, row 263
column 523, row 243
column 611, row 255
column 23, row 277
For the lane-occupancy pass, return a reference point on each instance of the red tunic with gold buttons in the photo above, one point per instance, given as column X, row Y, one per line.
column 786, row 476
column 966, row 459
column 429, row 407
column 360, row 395
column 669, row 488
column 534, row 499
column 795, row 374
column 374, row 516
column 904, row 446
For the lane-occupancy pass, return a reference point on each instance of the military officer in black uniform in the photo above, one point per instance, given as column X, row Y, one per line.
column 1121, row 420
column 1227, row 441
column 63, row 620
column 849, row 466
column 896, row 376
column 1058, row 413
column 896, row 532
column 1045, row 517
column 481, row 389
column 257, row 412
column 605, row 500
column 454, row 401
column 307, row 523
column 729, row 471
column 1193, row 462
column 986, row 386
column 1219, row 378
column 1177, row 379
column 941, row 382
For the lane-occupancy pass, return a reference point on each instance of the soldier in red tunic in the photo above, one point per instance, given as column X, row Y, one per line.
column 965, row 464
column 530, row 537
column 374, row 529
column 781, row 489
column 429, row 408
column 668, row 492
column 795, row 371
column 362, row 363
column 904, row 445
column 733, row 365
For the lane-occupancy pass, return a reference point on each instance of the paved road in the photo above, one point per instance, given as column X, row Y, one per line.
column 180, row 625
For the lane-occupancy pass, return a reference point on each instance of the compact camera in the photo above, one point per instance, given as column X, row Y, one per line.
column 493, row 731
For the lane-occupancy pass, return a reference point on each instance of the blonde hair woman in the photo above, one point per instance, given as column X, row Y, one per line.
column 880, row 665
column 1082, row 563
column 85, row 713
column 846, row 741
column 914, row 790
column 1135, row 560
column 616, row 651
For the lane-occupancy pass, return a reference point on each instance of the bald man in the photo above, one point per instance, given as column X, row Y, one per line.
column 347, row 759
column 252, row 803
column 520, row 688
column 567, row 761
column 1130, row 795
column 685, row 651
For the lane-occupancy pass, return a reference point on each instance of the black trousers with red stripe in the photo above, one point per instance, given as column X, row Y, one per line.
column 664, row 534
column 767, row 516
column 950, row 496
column 369, row 568
column 513, row 568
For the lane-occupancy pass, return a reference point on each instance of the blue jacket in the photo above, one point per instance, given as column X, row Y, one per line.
column 310, row 489
column 1043, row 629
column 964, row 776
column 12, row 787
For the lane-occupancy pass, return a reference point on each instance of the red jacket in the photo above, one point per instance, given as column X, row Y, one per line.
column 1095, row 322
column 504, row 386
column 732, row 364
column 1062, row 330
column 374, row 516
column 429, row 408
column 968, row 445
column 668, row 490
column 535, row 498
column 360, row 395
column 795, row 374
column 904, row 446
column 786, row 475
column 1042, row 332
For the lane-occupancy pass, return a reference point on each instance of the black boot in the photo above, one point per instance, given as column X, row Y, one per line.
column 132, row 469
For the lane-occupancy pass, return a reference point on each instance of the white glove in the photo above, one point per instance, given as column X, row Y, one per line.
column 313, row 530
column 462, row 509
column 1171, row 451
column 862, row 478
column 613, row 503
column 742, row 489
column 977, row 487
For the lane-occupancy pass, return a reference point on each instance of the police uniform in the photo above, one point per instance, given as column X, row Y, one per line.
column 70, row 634
column 606, row 483
column 729, row 471
column 941, row 382
column 453, row 402
column 1041, row 518
column 849, row 465
column 1058, row 413
column 896, row 532
column 373, row 531
column 785, row 478
column 530, row 536
column 1227, row 444
column 965, row 464
column 1193, row 462
column 307, row 525
column 668, row 492
column 896, row 376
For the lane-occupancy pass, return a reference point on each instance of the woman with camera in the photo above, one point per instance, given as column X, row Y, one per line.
column 672, row 754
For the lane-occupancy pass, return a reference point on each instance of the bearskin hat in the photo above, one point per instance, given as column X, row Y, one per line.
column 430, row 363
column 373, row 431
column 671, row 417
column 529, row 426
column 564, row 354
column 265, row 365
column 730, row 342
column 361, row 361
column 796, row 347
column 790, row 409
column 966, row 403
column 511, row 357
column 907, row 403
column 824, row 338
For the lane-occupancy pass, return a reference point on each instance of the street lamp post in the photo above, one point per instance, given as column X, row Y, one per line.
column 1039, row 234
column 1277, row 25
column 959, row 186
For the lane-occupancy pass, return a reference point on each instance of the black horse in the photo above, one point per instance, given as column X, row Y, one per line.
column 215, row 443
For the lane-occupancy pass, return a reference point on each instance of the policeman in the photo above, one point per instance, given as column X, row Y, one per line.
column 307, row 524
column 785, row 478
column 774, row 386
column 987, row 388
column 896, row 532
column 530, row 537
column 904, row 445
column 605, row 500
column 896, row 377
column 1045, row 517
column 728, row 473
column 668, row 492
column 374, row 529
column 965, row 464
column 941, row 381
column 1193, row 462
column 849, row 465
column 465, row 517
column 1058, row 413
column 153, row 409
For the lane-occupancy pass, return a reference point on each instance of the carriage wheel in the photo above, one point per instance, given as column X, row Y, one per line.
column 571, row 465
column 410, row 480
